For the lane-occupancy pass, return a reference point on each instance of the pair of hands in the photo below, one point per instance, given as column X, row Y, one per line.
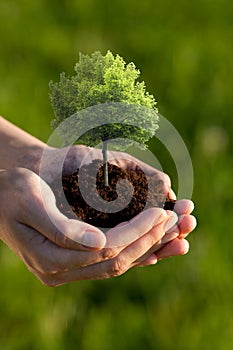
column 59, row 250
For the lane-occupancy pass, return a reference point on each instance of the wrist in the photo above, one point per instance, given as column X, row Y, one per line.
column 18, row 148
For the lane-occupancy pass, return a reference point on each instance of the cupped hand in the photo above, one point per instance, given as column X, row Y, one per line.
column 68, row 160
column 73, row 157
column 173, row 242
column 59, row 250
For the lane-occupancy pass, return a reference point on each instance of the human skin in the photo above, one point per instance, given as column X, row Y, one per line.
column 59, row 250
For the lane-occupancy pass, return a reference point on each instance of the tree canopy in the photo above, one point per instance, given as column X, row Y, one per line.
column 105, row 80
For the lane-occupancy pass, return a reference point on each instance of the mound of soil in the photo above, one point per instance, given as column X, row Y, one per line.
column 120, row 200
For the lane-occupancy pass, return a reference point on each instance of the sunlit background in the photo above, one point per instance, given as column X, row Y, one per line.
column 184, row 50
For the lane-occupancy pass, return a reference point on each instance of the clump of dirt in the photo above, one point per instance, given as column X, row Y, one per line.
column 145, row 192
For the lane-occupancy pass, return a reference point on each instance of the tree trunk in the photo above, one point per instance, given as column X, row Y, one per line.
column 105, row 161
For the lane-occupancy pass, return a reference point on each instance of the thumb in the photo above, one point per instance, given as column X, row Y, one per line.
column 75, row 234
column 41, row 213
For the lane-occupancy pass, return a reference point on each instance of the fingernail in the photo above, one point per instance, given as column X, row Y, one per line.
column 171, row 221
column 93, row 239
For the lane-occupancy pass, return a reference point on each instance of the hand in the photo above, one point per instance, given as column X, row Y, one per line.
column 73, row 156
column 56, row 249
column 173, row 242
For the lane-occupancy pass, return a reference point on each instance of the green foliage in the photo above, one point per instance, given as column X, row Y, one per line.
column 101, row 80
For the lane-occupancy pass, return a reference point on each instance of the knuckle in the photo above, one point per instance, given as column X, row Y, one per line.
column 60, row 239
column 117, row 267
column 108, row 253
column 150, row 240
column 154, row 236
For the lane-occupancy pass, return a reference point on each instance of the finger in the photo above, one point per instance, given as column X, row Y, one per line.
column 165, row 239
column 104, row 269
column 173, row 248
column 171, row 194
column 117, row 265
column 62, row 266
column 151, row 260
column 186, row 224
column 183, row 206
column 157, row 233
column 51, row 264
column 169, row 236
column 108, row 253
column 40, row 212
column 129, row 232
column 45, row 258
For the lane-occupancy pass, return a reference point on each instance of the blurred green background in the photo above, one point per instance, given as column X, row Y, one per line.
column 184, row 50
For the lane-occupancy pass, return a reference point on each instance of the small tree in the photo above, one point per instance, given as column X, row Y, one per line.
column 100, row 80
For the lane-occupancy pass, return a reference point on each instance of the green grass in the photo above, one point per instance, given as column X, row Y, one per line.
column 184, row 50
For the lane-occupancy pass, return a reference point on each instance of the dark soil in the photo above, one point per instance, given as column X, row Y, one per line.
column 146, row 192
